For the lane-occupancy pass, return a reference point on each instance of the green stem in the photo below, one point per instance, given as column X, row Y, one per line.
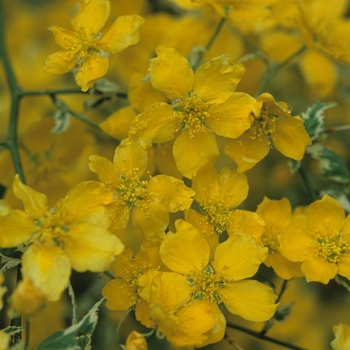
column 26, row 347
column 307, row 184
column 82, row 118
column 283, row 288
column 263, row 336
column 275, row 68
column 16, row 94
column 209, row 44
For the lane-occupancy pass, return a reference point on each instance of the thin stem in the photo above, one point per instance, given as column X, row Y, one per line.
column 209, row 44
column 16, row 94
column 26, row 346
column 264, row 337
column 338, row 128
column 275, row 68
column 283, row 288
column 82, row 118
column 307, row 184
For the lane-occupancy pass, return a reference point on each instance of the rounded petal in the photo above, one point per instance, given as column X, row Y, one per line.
column 130, row 158
column 15, row 228
column 63, row 37
column 171, row 192
column 60, row 62
column 154, row 125
column 120, row 294
column 342, row 337
column 94, row 68
column 231, row 118
column 186, row 250
column 251, row 300
column 123, row 32
column 217, row 79
column 290, row 137
column 92, row 16
column 325, row 215
column 48, row 267
column 171, row 73
column 190, row 153
column 105, row 171
column 87, row 202
column 246, row 152
column 238, row 257
column 91, row 247
column 318, row 270
column 284, row 268
column 34, row 203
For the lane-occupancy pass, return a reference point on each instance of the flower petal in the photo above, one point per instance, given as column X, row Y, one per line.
column 94, row 68
column 190, row 153
column 120, row 294
column 238, row 257
column 171, row 73
column 60, row 62
column 123, row 33
column 63, row 37
column 231, row 118
column 48, row 267
column 184, row 251
column 318, row 270
column 251, row 300
column 105, row 171
column 217, row 79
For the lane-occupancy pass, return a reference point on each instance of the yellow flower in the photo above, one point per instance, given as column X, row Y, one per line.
column 136, row 341
column 272, row 123
column 123, row 291
column 225, row 279
column 217, row 196
column 4, row 340
column 342, row 337
column 203, row 104
column 148, row 200
column 73, row 234
column 87, row 47
column 320, row 239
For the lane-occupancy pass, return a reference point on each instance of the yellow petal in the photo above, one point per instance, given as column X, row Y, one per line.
column 94, row 68
column 231, row 118
column 217, row 79
column 91, row 247
column 105, row 171
column 171, row 73
column 123, row 32
column 63, row 37
column 155, row 124
column 238, row 257
column 92, row 16
column 246, row 152
column 35, row 203
column 190, row 153
column 87, row 202
column 186, row 250
column 136, row 341
column 318, row 270
column 290, row 137
column 120, row 294
column 60, row 62
column 342, row 337
column 284, row 268
column 171, row 192
column 48, row 267
column 249, row 299
column 15, row 228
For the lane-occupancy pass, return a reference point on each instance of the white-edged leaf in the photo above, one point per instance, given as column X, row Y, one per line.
column 314, row 119
column 294, row 165
column 9, row 264
column 11, row 330
column 62, row 120
column 331, row 164
column 343, row 281
column 67, row 339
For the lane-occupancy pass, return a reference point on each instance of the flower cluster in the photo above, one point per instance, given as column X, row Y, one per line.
column 160, row 187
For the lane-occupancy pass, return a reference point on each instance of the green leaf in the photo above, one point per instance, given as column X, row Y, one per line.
column 294, row 165
column 11, row 253
column 331, row 164
column 68, row 339
column 343, row 281
column 314, row 120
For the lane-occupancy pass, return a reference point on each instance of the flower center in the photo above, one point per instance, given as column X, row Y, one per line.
column 263, row 125
column 207, row 284
column 331, row 247
column 132, row 190
column 216, row 214
column 192, row 113
column 86, row 45
column 270, row 238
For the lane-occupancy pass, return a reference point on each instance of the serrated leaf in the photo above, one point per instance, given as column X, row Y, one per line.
column 314, row 119
column 11, row 330
column 67, row 339
column 294, row 165
column 85, row 342
column 9, row 264
column 343, row 281
column 331, row 164
column 62, row 120
column 11, row 253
